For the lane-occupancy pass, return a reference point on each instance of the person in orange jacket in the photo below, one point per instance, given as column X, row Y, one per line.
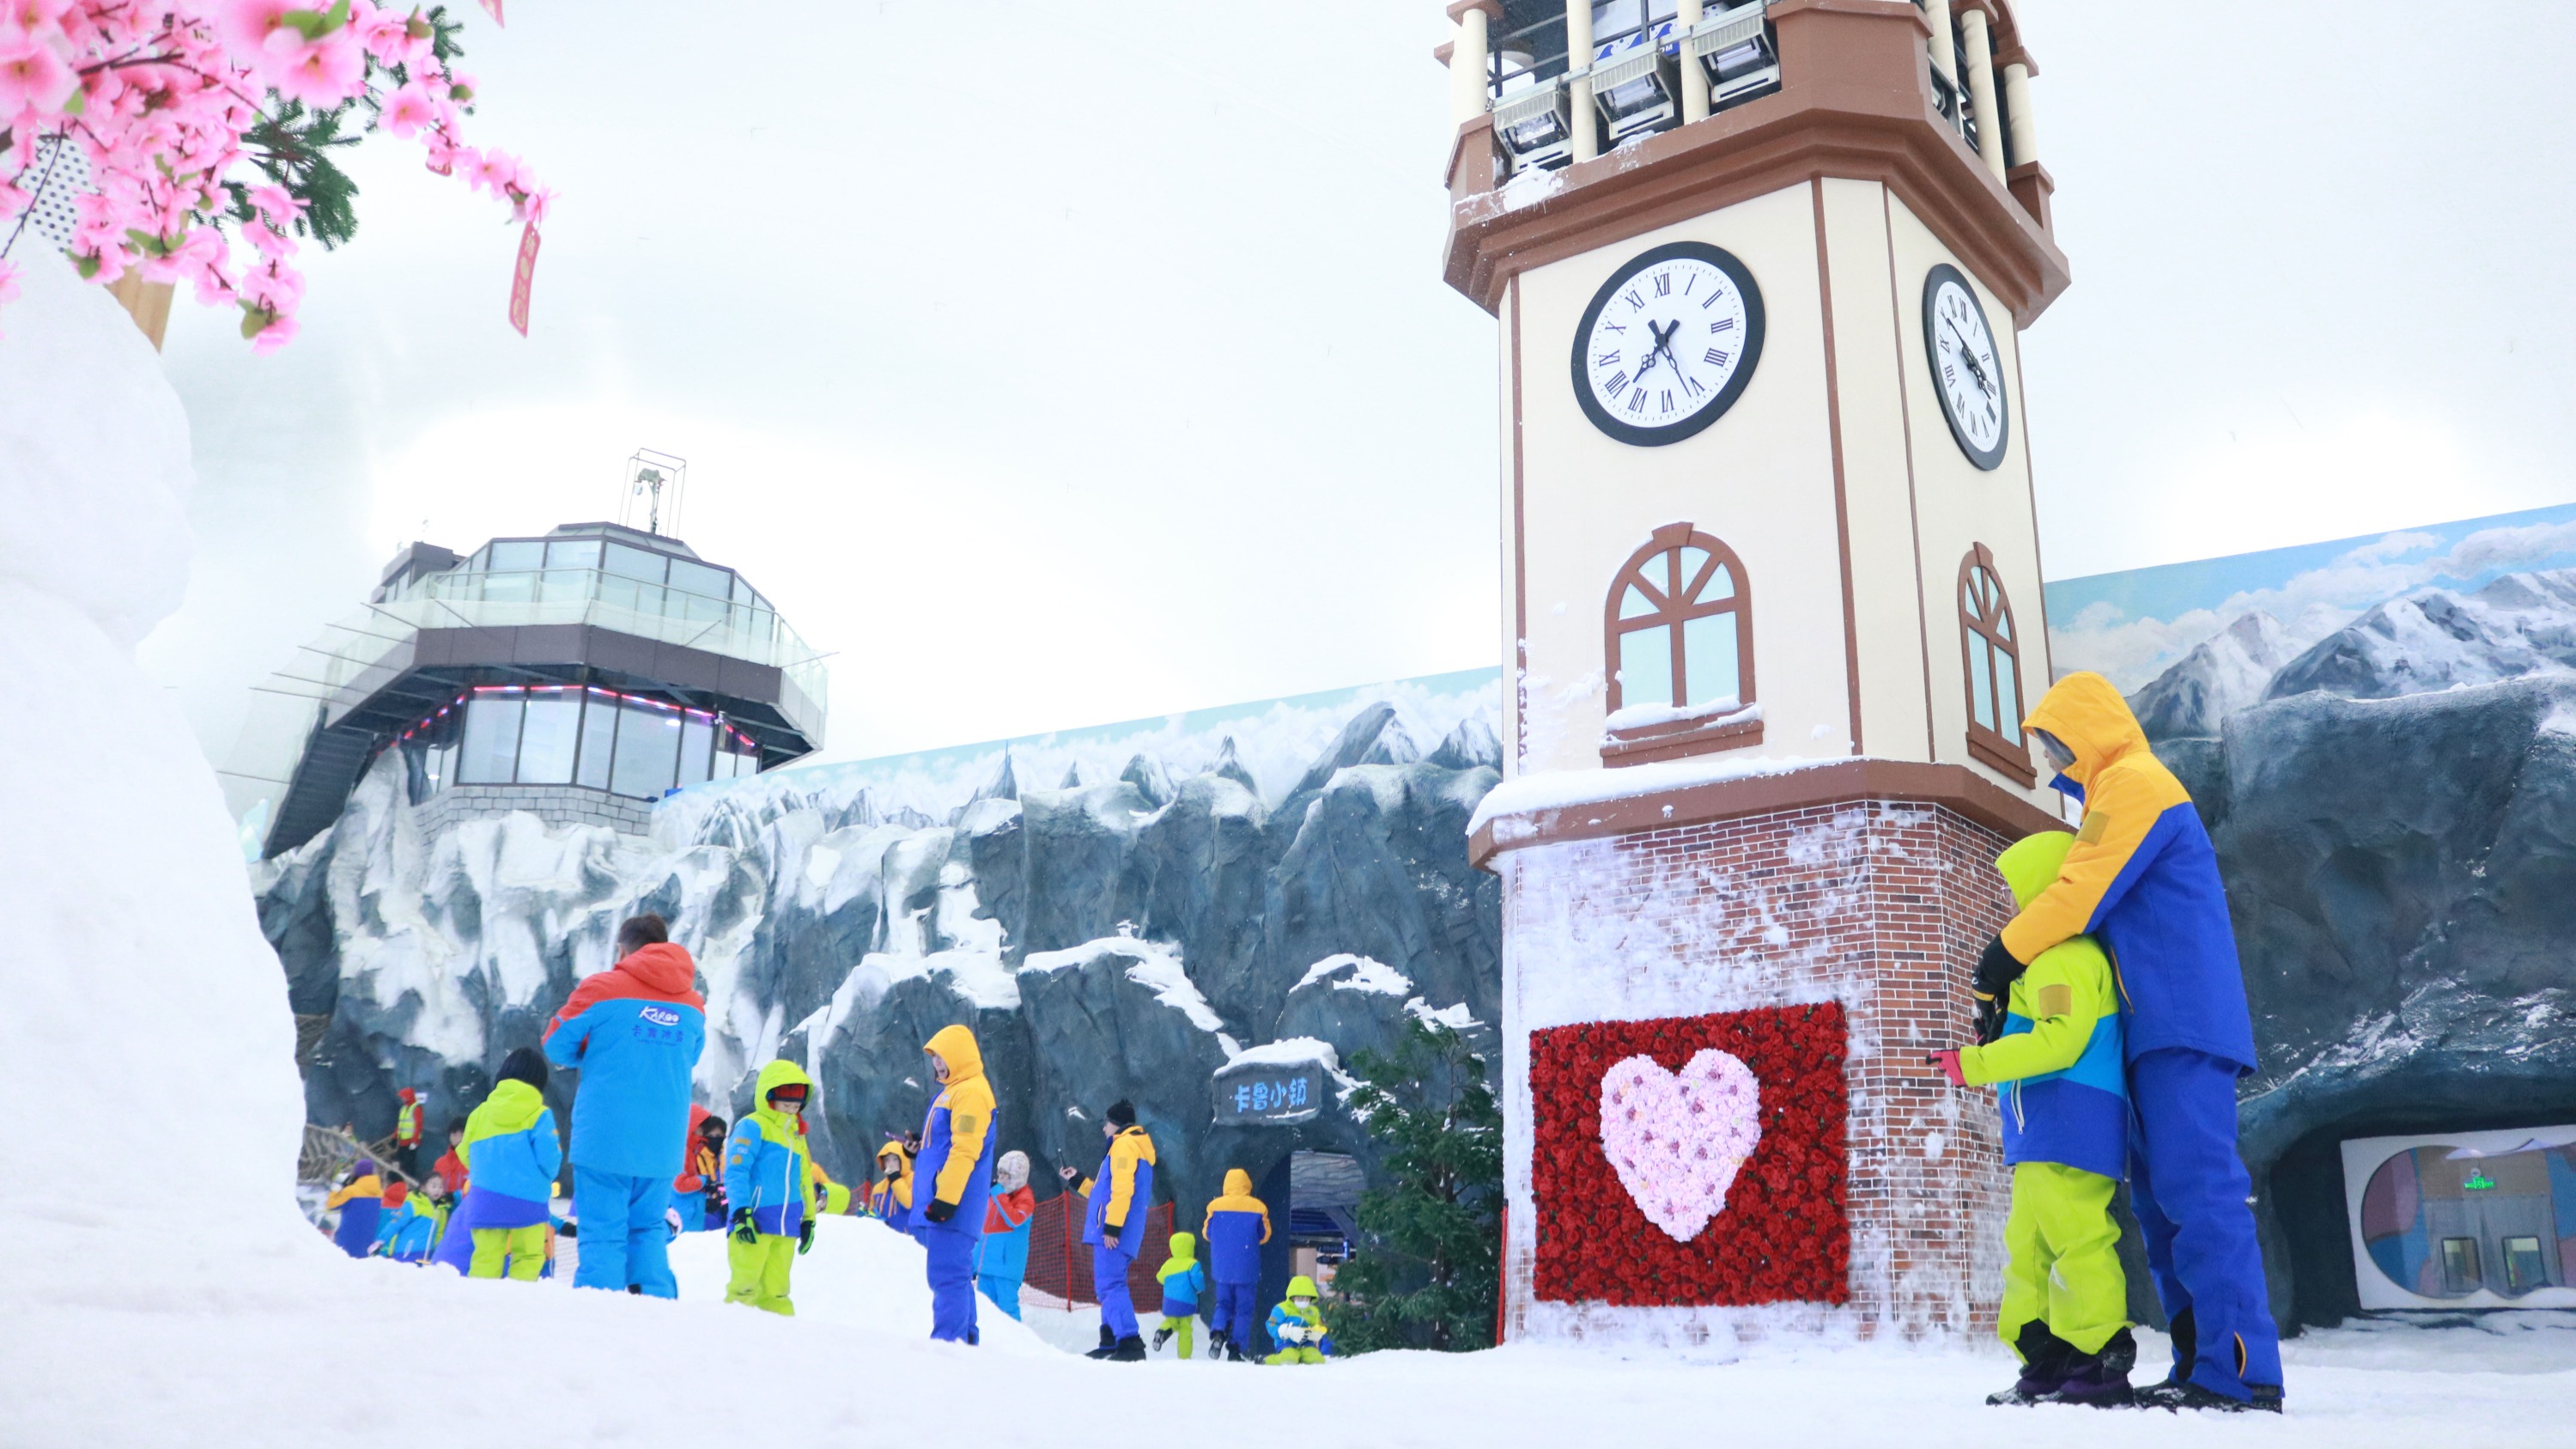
column 697, row 1194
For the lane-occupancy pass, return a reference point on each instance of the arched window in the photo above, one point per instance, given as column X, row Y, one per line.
column 1992, row 647
column 1679, row 651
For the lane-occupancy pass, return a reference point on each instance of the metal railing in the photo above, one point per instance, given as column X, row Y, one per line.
column 365, row 651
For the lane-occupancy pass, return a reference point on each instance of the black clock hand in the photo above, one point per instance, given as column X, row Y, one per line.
column 1970, row 358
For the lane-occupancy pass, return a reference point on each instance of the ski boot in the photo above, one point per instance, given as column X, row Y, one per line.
column 2045, row 1359
column 2189, row 1395
column 1218, row 1343
column 1130, row 1349
column 1108, row 1344
column 1161, row 1336
column 1233, row 1351
column 2099, row 1379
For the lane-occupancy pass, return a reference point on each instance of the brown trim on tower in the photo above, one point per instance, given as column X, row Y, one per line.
column 1832, row 782
column 1834, row 435
column 1520, row 554
column 1913, row 511
column 1855, row 102
column 1458, row 9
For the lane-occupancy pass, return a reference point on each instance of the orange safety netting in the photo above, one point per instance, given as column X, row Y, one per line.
column 1060, row 1262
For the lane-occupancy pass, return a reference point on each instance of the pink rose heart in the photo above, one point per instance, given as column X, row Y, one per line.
column 1677, row 1140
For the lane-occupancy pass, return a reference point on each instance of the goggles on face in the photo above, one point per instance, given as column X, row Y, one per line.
column 792, row 1092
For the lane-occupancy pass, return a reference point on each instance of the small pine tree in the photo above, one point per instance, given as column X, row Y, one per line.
column 1427, row 1268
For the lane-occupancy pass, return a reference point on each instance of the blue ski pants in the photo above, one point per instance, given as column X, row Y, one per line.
column 2189, row 1189
column 950, row 1267
column 624, row 1240
column 1235, row 1312
column 1109, row 1283
column 1005, row 1292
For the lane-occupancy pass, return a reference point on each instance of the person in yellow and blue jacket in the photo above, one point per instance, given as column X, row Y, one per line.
column 1114, row 1226
column 1184, row 1281
column 769, row 1180
column 2066, row 1121
column 2142, row 879
column 1237, row 1225
column 360, row 1199
column 890, row 1196
column 512, row 1154
column 1297, row 1325
column 955, row 1179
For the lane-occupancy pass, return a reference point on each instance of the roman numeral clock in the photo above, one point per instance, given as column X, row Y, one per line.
column 1771, row 612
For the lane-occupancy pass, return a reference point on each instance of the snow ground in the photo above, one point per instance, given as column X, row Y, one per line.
column 304, row 1347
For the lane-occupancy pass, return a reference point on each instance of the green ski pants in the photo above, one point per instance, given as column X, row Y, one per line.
column 2064, row 1267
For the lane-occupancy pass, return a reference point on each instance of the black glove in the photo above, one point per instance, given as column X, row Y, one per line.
column 743, row 1231
column 939, row 1212
column 805, row 1237
column 1997, row 970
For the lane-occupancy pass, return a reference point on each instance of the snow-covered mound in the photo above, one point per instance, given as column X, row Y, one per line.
column 2434, row 639
column 146, row 1054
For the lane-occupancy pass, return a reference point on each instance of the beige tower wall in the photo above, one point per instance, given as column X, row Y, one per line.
column 1761, row 478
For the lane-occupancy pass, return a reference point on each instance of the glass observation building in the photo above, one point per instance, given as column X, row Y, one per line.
column 581, row 676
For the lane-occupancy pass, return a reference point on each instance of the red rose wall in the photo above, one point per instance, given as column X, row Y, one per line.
column 1826, row 950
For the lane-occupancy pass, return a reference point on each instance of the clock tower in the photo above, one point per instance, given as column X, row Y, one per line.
column 1771, row 602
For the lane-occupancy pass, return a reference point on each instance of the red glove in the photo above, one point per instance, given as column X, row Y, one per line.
column 1948, row 1062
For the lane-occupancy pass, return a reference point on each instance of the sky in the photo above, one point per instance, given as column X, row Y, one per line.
column 1059, row 363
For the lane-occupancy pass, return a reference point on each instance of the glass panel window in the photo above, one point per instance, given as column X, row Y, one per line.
column 2524, row 1268
column 1692, row 559
column 1719, row 588
column 620, row 593
column 2008, row 698
column 598, row 740
column 697, row 739
column 2460, row 1264
column 1981, row 680
column 512, row 588
column 1646, row 666
column 491, row 739
column 511, row 556
column 635, row 563
column 566, row 586
column 546, row 741
column 1634, row 604
column 573, row 553
column 1709, row 669
column 697, row 578
column 648, row 751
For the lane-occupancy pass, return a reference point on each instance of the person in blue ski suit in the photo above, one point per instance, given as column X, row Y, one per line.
column 953, row 1180
column 2142, row 879
column 1237, row 1225
column 634, row 1032
column 1114, row 1226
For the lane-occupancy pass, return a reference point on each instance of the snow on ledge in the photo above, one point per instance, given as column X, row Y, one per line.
column 1367, row 975
column 1716, row 712
column 1158, row 967
column 1543, row 790
column 1296, row 1051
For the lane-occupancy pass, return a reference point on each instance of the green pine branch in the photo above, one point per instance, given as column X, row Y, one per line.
column 1426, row 1272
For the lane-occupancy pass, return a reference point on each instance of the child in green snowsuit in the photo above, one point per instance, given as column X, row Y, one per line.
column 2057, row 1066
column 1297, row 1325
column 1183, row 1281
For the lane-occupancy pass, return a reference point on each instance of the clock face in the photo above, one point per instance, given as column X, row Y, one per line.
column 1967, row 372
column 1668, row 344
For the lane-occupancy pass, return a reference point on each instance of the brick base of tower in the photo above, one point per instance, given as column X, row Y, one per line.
column 1881, row 904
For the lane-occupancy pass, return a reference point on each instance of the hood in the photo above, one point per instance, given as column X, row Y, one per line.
column 776, row 1125
column 956, row 1046
column 408, row 1095
column 1302, row 1286
column 395, row 1192
column 1185, row 1250
column 2031, row 866
column 1011, row 1171
column 512, row 1107
column 698, row 1121
column 664, row 966
column 1238, row 1183
column 2086, row 712
column 894, row 1148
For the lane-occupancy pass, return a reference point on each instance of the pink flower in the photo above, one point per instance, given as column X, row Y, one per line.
column 325, row 73
column 34, row 17
column 32, row 77
column 388, row 37
column 408, row 110
column 248, row 27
